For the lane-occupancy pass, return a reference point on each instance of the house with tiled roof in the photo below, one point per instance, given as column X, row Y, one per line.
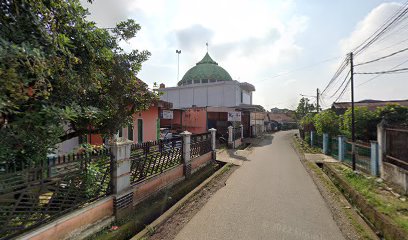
column 372, row 105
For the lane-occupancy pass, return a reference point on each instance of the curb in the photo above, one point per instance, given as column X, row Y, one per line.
column 166, row 215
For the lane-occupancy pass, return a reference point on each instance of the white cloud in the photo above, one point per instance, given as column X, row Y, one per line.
column 386, row 86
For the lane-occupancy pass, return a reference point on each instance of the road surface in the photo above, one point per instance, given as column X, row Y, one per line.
column 271, row 196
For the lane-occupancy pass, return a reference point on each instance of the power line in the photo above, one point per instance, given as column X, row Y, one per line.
column 379, row 75
column 385, row 72
column 345, row 79
column 389, row 24
column 301, row 68
column 383, row 57
column 343, row 91
column 341, row 68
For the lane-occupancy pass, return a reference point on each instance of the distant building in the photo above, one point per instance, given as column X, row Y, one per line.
column 341, row 107
column 208, row 84
column 205, row 96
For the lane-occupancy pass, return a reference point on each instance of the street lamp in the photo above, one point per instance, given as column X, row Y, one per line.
column 178, row 63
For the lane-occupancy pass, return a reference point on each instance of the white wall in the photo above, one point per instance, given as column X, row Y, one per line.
column 220, row 94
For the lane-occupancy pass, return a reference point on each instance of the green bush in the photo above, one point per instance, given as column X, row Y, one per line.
column 327, row 122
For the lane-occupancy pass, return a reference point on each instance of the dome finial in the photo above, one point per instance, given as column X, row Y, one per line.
column 207, row 46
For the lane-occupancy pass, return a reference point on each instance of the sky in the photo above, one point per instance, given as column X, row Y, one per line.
column 285, row 48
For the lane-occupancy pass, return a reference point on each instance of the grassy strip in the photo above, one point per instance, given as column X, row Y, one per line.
column 333, row 195
column 305, row 147
column 147, row 211
column 377, row 195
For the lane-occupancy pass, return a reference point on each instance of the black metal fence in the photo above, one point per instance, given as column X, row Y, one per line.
column 200, row 144
column 150, row 158
column 236, row 133
column 397, row 146
column 33, row 194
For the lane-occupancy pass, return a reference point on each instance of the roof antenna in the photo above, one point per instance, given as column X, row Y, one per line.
column 207, row 46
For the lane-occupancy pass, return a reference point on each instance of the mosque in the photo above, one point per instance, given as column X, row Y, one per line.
column 205, row 95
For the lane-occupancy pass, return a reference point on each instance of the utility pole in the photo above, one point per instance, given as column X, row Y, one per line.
column 353, row 133
column 178, row 63
column 317, row 97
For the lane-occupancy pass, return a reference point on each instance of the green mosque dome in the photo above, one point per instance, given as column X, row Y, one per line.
column 205, row 71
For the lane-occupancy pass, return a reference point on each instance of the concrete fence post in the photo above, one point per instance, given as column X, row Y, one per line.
column 381, row 140
column 242, row 131
column 186, row 153
column 312, row 136
column 374, row 158
column 230, row 137
column 326, row 143
column 123, row 196
column 213, row 132
column 342, row 147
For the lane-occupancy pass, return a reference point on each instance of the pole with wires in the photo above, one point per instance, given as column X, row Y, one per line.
column 353, row 133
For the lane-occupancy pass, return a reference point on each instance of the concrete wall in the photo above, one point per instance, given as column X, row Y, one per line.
column 395, row 175
column 200, row 161
column 226, row 94
column 73, row 222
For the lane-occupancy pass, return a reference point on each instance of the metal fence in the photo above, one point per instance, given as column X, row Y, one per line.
column 318, row 141
column 363, row 155
column 334, row 147
column 33, row 194
column 200, row 145
column 236, row 133
column 397, row 147
column 150, row 158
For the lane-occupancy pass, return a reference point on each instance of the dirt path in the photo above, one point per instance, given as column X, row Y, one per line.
column 184, row 214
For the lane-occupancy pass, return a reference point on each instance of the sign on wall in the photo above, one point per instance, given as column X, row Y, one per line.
column 234, row 116
column 167, row 114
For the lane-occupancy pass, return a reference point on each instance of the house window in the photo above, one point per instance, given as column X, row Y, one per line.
column 120, row 132
column 242, row 96
column 130, row 132
column 188, row 82
column 204, row 81
column 196, row 81
column 213, row 80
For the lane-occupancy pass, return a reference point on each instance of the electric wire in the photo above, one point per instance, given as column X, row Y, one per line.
column 379, row 75
column 400, row 70
column 383, row 57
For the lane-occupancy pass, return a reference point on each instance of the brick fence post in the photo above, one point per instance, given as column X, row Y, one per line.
column 326, row 143
column 186, row 153
column 342, row 147
column 230, row 137
column 242, row 131
column 123, row 196
column 213, row 132
column 374, row 158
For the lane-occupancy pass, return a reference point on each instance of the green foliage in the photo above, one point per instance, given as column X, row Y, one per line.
column 61, row 77
column 327, row 122
column 304, row 107
column 393, row 114
column 307, row 121
column 363, row 117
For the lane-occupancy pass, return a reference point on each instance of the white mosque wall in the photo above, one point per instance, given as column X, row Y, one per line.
column 219, row 94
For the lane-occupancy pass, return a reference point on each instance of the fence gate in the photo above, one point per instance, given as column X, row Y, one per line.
column 396, row 146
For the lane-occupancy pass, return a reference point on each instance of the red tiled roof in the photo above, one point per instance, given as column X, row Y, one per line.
column 370, row 104
column 280, row 117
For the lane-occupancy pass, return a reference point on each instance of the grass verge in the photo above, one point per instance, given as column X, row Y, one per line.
column 378, row 195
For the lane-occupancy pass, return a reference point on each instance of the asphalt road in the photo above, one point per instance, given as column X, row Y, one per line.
column 271, row 196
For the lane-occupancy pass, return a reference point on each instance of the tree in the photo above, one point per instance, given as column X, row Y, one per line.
column 363, row 119
column 393, row 114
column 61, row 77
column 304, row 107
column 327, row 122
